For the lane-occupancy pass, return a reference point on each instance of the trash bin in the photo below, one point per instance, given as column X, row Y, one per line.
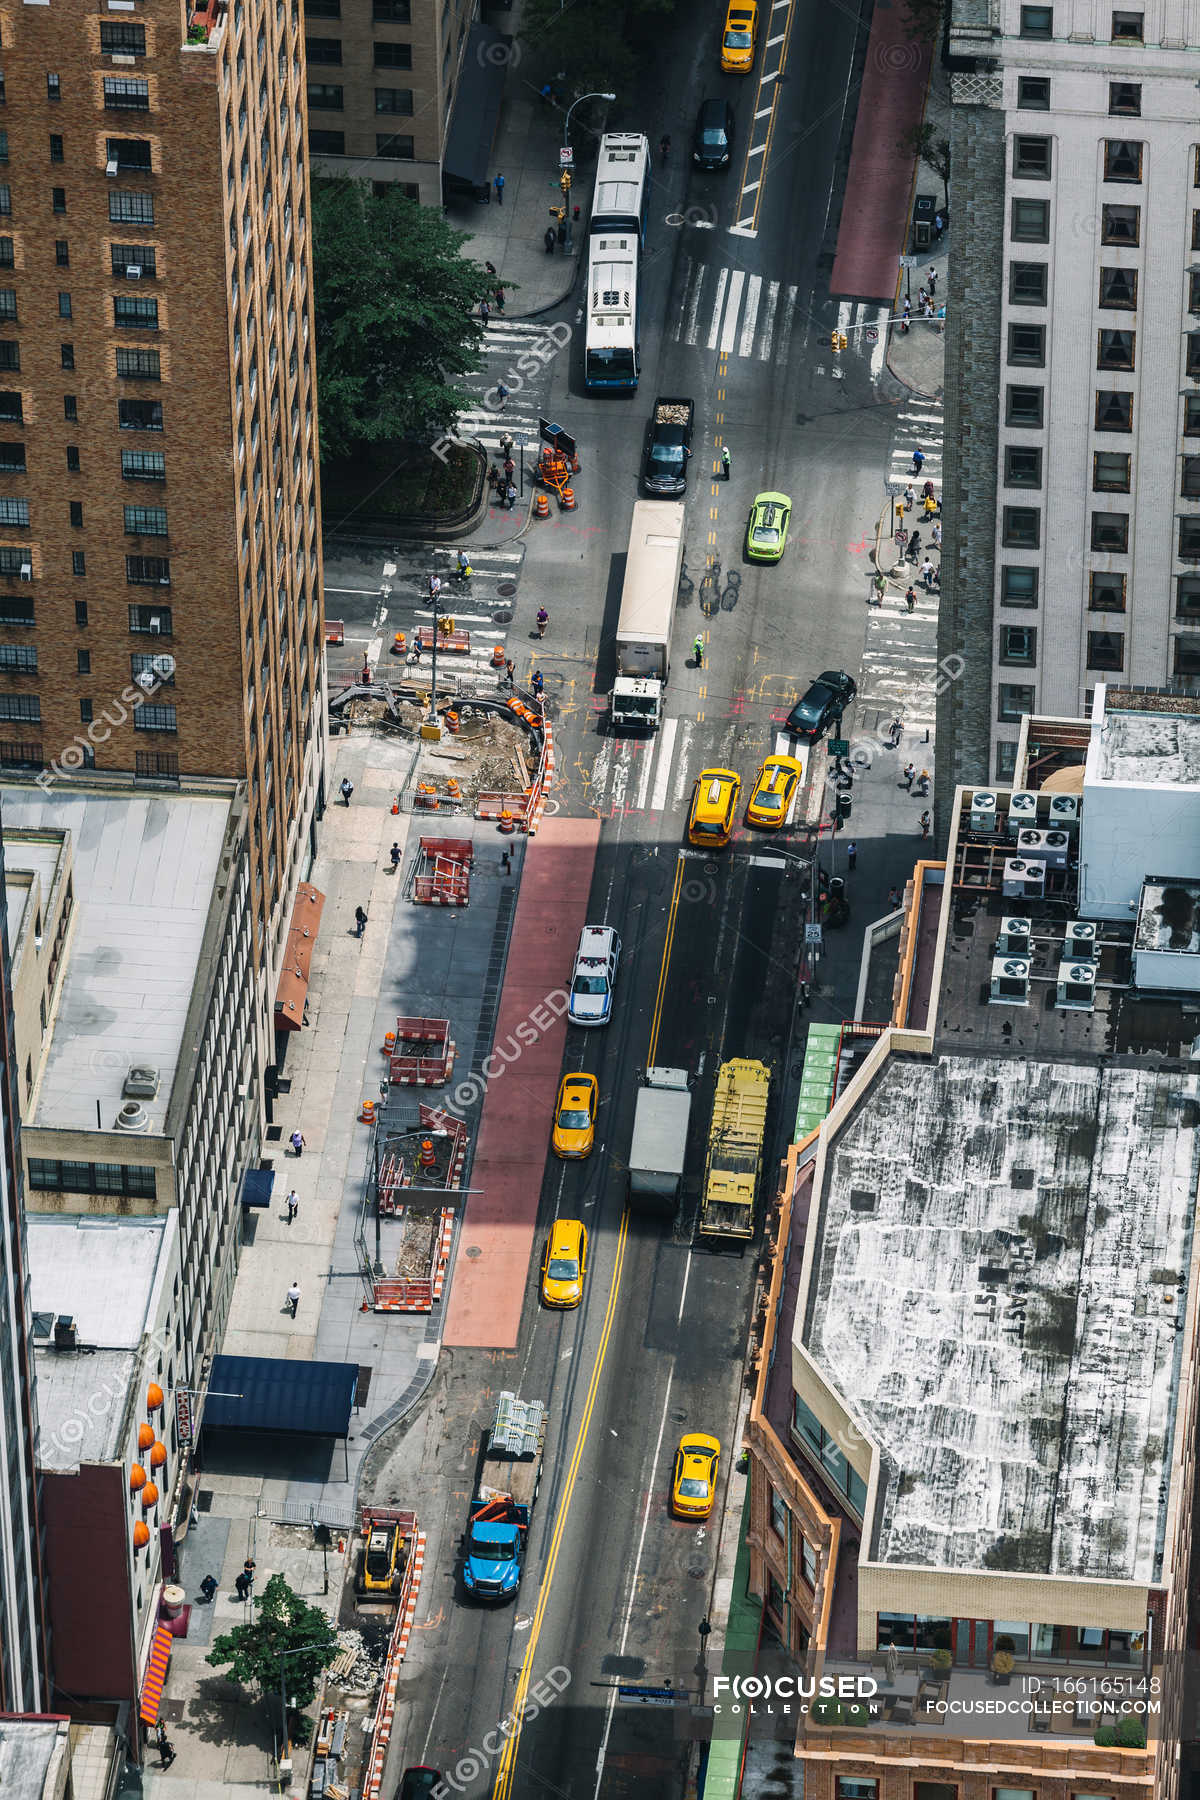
column 924, row 209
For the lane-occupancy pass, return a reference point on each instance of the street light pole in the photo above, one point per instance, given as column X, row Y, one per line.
column 571, row 109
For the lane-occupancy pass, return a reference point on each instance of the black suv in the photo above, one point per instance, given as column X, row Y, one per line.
column 712, row 140
column 827, row 698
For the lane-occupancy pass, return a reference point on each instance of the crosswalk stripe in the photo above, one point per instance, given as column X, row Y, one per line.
column 714, row 328
column 789, row 307
column 750, row 316
column 699, row 270
column 736, row 283
column 658, row 798
column 764, row 347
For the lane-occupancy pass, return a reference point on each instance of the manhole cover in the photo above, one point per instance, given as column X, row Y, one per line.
column 474, row 1250
column 507, row 589
column 502, row 616
column 698, row 1573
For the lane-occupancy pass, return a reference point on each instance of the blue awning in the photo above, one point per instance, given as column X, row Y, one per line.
column 476, row 109
column 256, row 1187
column 267, row 1393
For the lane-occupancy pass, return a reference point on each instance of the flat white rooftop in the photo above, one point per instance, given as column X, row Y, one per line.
column 1157, row 740
column 999, row 1288
column 100, row 1272
column 145, row 866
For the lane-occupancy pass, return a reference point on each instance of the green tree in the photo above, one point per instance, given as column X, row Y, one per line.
column 394, row 298
column 282, row 1621
column 933, row 151
column 924, row 20
column 578, row 49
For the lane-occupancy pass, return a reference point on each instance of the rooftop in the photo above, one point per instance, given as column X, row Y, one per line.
column 1150, row 737
column 40, row 859
column 101, row 1272
column 29, row 1750
column 144, row 872
column 999, row 1286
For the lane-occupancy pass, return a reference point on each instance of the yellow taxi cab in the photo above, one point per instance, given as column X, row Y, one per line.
column 564, row 1264
column 575, row 1115
column 737, row 44
column 714, row 803
column 694, row 1483
column 774, row 791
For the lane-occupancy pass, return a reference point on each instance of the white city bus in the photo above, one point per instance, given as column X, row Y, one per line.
column 611, row 358
column 619, row 196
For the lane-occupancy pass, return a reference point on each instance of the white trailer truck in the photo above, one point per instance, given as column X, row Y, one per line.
column 648, row 598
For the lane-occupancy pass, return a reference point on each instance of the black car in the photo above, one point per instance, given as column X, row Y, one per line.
column 826, row 700
column 712, row 140
column 418, row 1783
column 668, row 447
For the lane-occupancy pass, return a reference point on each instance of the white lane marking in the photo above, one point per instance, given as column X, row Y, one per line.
column 612, row 1699
column 737, row 283
column 744, row 228
column 768, row 330
column 658, row 798
column 767, row 75
column 620, row 775
column 681, row 777
column 844, row 317
column 694, row 307
column 750, row 318
column 373, row 592
column 768, row 862
column 764, row 112
column 714, row 328
column 751, row 187
column 687, row 1269
column 785, row 329
column 757, row 150
column 771, row 42
column 600, row 767
column 647, row 759
column 879, row 347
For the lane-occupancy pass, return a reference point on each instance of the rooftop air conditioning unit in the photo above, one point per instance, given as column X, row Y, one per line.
column 1022, row 810
column 141, row 1083
column 1080, row 945
column 133, row 1117
column 1014, row 937
column 133, row 271
column 1032, row 843
column 1023, row 880
column 983, row 811
column 1057, row 848
column 110, row 167
column 1064, row 810
column 66, row 1336
column 1010, row 981
column 1077, row 986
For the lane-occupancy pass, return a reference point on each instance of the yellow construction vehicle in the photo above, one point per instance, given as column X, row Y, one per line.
column 383, row 1559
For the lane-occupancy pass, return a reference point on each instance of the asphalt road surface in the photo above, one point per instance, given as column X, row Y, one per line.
column 736, row 314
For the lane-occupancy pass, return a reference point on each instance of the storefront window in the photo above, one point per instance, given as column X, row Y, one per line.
column 934, row 1790
column 850, row 1787
column 1012, row 1794
column 895, row 1628
column 1048, row 1643
column 1018, row 1631
column 933, row 1634
column 1089, row 1644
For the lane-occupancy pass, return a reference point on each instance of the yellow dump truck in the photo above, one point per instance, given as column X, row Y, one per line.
column 735, row 1141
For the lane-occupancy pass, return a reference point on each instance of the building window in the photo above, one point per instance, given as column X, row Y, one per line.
column 394, row 100
column 1037, row 21
column 12, row 408
column 393, row 56
column 21, row 706
column 1189, row 538
column 856, row 1787
column 58, row 201
column 1127, row 27
column 1187, row 655
column 1110, row 531
column 139, row 365
column 13, row 512
column 322, row 9
column 130, row 153
column 10, row 355
column 1015, row 701
column 1114, row 350
column 392, row 12
column 1022, row 527
column 66, row 354
column 322, row 50
column 48, row 1174
column 75, row 508
column 1118, row 289
column 1024, row 406
column 1106, row 650
column 81, row 618
column 126, row 95
column 779, row 1515
column 324, row 96
column 1125, row 99
column 64, row 310
column 56, row 147
column 1193, row 354
column 1022, row 465
column 326, row 143
column 53, row 87
column 809, row 1563
column 1018, row 644
column 14, row 611
column 7, row 253
column 1027, row 283
column 1191, row 415
column 396, row 148
column 151, row 671
column 155, row 718
column 1114, row 412
column 145, row 521
column 12, row 459
column 1193, row 291
column 152, row 620
column 1110, row 471
column 128, row 258
column 158, row 765
column 1018, row 585
column 143, row 465
column 62, row 253
column 14, row 558
column 140, row 415
column 1121, row 225
column 829, row 1454
column 135, row 312
column 6, row 199
column 148, row 571
column 20, row 659
column 125, row 207
column 8, row 304
column 120, row 39
column 86, row 713
column 1031, row 158
column 1106, row 593
column 83, row 662
column 78, row 563
column 73, row 459
column 1122, row 160
column 1189, row 480
column 1031, row 221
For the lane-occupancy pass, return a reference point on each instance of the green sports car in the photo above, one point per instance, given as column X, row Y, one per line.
column 767, row 532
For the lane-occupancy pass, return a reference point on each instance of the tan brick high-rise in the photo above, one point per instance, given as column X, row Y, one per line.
column 158, row 436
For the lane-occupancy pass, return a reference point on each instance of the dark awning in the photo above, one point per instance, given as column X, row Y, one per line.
column 267, row 1393
column 476, row 108
column 256, row 1187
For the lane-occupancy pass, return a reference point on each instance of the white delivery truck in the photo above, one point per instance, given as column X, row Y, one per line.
column 652, row 571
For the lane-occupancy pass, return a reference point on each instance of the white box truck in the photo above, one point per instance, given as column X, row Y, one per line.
column 648, row 598
column 659, row 1146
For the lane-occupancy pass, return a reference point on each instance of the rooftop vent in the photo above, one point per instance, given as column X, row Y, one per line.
column 863, row 1200
column 133, row 1117
column 141, row 1083
column 1010, row 981
column 1080, row 941
column 1076, row 986
column 65, row 1335
column 1014, row 937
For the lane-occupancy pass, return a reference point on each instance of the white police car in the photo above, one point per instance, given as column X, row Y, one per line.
column 594, row 975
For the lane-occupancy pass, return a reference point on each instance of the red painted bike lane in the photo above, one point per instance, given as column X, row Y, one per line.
column 496, row 1240
column 874, row 227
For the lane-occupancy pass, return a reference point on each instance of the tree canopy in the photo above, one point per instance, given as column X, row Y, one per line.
column 282, row 1621
column 592, row 45
column 394, row 300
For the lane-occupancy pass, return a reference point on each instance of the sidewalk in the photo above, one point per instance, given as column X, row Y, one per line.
column 917, row 357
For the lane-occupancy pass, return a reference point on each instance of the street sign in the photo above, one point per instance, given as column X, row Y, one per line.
column 910, row 262
column 812, row 935
column 838, row 746
column 566, row 160
column 649, row 1696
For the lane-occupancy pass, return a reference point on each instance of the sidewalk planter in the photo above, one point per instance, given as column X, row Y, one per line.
column 1002, row 1667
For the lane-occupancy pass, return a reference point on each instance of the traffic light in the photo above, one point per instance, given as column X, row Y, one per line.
column 838, row 341
column 559, row 213
column 843, row 808
column 899, row 513
column 564, row 181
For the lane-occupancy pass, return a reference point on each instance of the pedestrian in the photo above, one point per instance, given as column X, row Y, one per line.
column 905, row 315
column 166, row 1749
column 878, row 587
column 510, row 496
column 510, row 468
column 927, row 492
column 346, row 790
column 493, row 480
column 910, row 770
column 927, row 575
column 726, row 461
column 293, row 1205
column 923, row 782
column 910, row 599
column 506, row 862
column 464, row 565
column 485, row 311
column 507, row 442
column 538, row 684
column 510, row 672
column 893, row 898
column 543, row 619
column 932, row 281
column 698, row 650
column 435, row 586
column 896, row 732
column 208, row 1588
column 498, row 184
column 914, row 547
column 937, row 536
column 941, row 319
column 852, row 855
column 499, row 297
column 248, row 1571
column 298, row 1143
column 241, row 1587
column 293, row 1295
column 910, row 497
column 927, row 308
column 939, row 225
column 561, row 234
column 918, row 461
column 548, row 240
column 922, row 297
column 501, row 393
column 360, row 921
column 926, row 822
column 490, row 267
